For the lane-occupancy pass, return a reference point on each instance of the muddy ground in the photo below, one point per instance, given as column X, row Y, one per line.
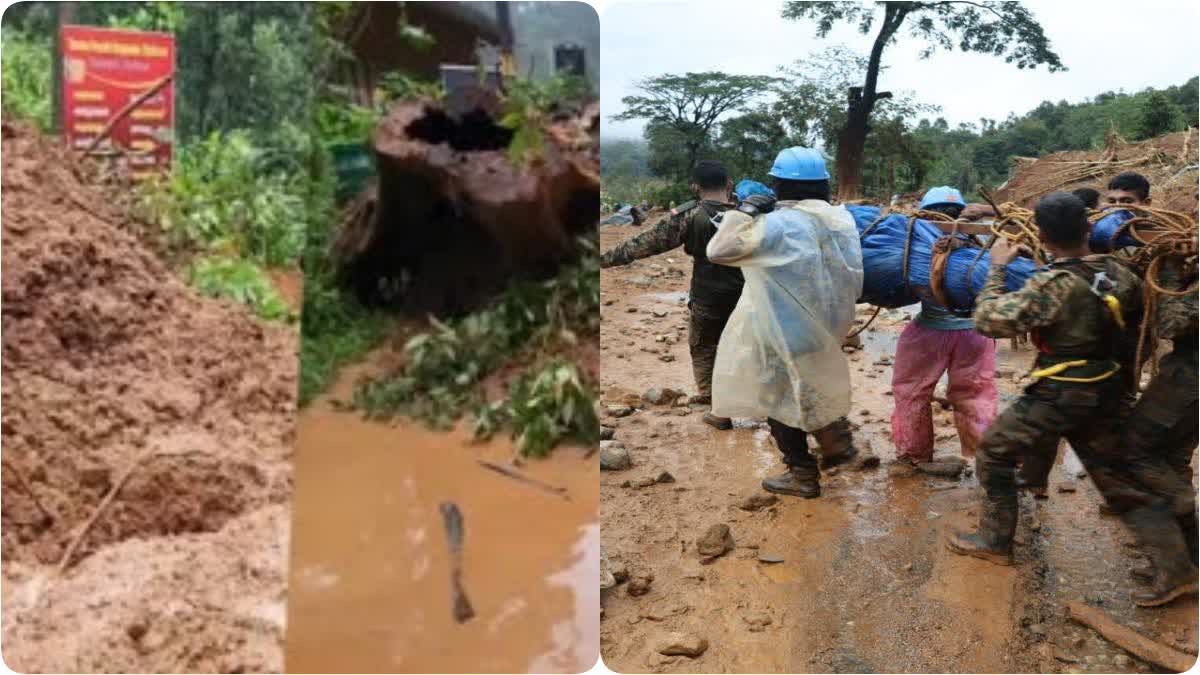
column 370, row 574
column 865, row 583
column 146, row 445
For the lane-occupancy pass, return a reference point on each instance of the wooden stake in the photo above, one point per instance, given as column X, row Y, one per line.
column 124, row 112
column 1131, row 641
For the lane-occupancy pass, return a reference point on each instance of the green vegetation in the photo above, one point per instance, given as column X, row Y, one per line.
column 26, row 76
column 238, row 280
column 908, row 148
column 224, row 195
column 444, row 368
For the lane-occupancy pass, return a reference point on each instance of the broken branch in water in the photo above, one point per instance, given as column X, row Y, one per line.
column 1131, row 641
column 453, row 521
column 513, row 473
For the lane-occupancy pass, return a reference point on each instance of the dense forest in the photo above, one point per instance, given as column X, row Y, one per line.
column 909, row 147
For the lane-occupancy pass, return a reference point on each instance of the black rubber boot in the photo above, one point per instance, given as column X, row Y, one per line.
column 992, row 541
column 1161, row 537
column 796, row 482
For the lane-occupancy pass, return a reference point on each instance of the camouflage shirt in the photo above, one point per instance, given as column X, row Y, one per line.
column 1058, row 307
column 1001, row 314
column 688, row 224
column 1176, row 319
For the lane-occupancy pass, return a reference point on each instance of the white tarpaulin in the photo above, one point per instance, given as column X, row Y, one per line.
column 780, row 355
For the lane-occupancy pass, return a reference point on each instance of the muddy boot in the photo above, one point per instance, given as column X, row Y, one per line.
column 853, row 459
column 1143, row 572
column 993, row 541
column 1167, row 586
column 835, row 447
column 797, row 482
column 950, row 467
column 720, row 423
column 1161, row 537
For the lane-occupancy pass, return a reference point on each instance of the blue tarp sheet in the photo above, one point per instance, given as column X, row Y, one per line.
column 883, row 260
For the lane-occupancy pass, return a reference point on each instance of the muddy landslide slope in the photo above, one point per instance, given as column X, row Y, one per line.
column 117, row 377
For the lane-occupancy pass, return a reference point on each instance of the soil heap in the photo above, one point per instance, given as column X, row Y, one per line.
column 120, row 381
column 1169, row 162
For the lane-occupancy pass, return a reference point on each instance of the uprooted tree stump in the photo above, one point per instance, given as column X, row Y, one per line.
column 451, row 218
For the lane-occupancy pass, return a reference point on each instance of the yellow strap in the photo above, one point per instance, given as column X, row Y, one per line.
column 1050, row 372
column 1114, row 306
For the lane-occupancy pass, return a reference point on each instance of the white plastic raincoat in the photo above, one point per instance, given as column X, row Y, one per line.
column 780, row 355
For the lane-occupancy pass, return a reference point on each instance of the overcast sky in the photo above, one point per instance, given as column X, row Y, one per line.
column 1105, row 45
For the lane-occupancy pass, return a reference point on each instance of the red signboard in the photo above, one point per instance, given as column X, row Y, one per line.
column 104, row 70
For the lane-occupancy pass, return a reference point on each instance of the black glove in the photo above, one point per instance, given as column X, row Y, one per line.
column 756, row 204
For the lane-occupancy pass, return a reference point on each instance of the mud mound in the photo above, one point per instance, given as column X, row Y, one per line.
column 185, row 604
column 112, row 365
column 452, row 218
column 1169, row 162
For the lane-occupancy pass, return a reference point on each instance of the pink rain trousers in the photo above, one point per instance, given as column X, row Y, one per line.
column 922, row 355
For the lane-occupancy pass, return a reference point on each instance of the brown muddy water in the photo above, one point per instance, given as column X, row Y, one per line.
column 371, row 569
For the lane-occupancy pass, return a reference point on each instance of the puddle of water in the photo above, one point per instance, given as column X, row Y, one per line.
column 370, row 583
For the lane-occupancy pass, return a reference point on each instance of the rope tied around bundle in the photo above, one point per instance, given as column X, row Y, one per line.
column 1163, row 235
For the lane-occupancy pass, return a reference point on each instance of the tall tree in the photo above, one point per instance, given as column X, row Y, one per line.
column 1158, row 116
column 690, row 104
column 1005, row 29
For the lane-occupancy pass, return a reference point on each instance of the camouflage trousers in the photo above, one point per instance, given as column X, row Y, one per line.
column 1164, row 422
column 704, row 333
column 1087, row 416
column 1035, row 467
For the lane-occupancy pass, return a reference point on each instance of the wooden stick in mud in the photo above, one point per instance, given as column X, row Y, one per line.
column 46, row 515
column 124, row 112
column 65, row 561
column 513, row 473
column 453, row 521
column 1131, row 641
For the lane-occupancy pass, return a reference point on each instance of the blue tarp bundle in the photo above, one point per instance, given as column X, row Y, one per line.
column 883, row 260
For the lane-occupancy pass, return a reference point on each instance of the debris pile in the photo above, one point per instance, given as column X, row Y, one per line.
column 1169, row 162
column 146, row 445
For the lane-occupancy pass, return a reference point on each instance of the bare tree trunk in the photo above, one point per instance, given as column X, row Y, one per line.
column 853, row 138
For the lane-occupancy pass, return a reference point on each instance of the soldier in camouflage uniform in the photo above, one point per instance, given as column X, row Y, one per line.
column 715, row 288
column 1076, row 310
column 1164, row 422
column 1128, row 188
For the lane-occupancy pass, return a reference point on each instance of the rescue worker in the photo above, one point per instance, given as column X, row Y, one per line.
column 1164, row 421
column 1089, row 196
column 715, row 289
column 1128, row 188
column 1132, row 189
column 1075, row 308
column 938, row 341
column 780, row 356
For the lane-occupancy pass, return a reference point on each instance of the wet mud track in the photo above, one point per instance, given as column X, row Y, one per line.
column 865, row 583
column 371, row 570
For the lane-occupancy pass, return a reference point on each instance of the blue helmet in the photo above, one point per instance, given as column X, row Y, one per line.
column 747, row 187
column 800, row 163
column 942, row 196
